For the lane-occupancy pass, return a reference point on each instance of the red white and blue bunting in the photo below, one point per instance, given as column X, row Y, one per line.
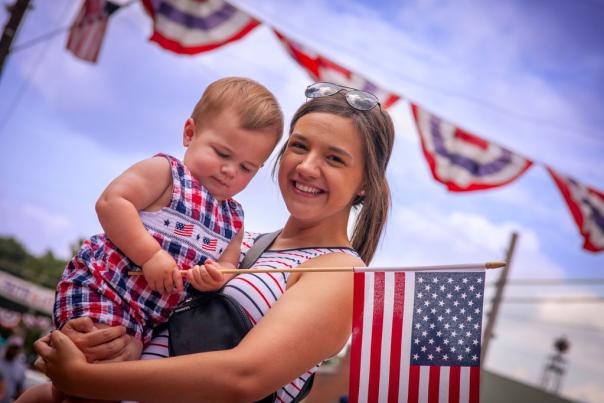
column 194, row 26
column 463, row 161
column 586, row 205
column 321, row 68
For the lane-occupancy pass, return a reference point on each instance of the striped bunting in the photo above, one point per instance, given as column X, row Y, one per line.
column 463, row 161
column 586, row 205
column 322, row 69
column 194, row 26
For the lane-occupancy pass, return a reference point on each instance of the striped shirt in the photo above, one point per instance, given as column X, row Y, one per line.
column 257, row 292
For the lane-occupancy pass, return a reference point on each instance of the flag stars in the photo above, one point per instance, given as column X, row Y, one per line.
column 420, row 280
column 418, row 310
column 460, row 342
column 431, row 341
column 434, row 295
column 416, row 356
column 453, row 349
column 459, row 357
column 439, row 333
column 446, row 326
column 455, row 303
column 470, row 303
column 448, row 310
column 425, row 318
column 440, row 318
column 467, row 349
column 449, row 295
column 417, row 325
column 426, row 303
column 432, row 325
column 445, row 357
column 475, row 342
column 475, row 325
column 479, row 280
column 468, row 334
column 449, row 280
column 420, row 295
column 424, row 333
column 457, row 288
column 438, row 349
column 454, row 333
column 462, row 310
column 474, row 357
column 469, row 319
column 427, row 287
column 423, row 349
column 441, row 303
column 478, row 295
column 430, row 356
column 464, row 295
column 477, row 311
column 446, row 341
column 472, row 288
column 442, row 287
column 416, row 341
column 435, row 280
column 461, row 326
column 465, row 280
column 433, row 310
column 454, row 318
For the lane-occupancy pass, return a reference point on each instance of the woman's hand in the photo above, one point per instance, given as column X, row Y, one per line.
column 106, row 344
column 63, row 360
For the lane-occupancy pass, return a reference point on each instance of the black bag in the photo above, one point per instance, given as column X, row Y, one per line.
column 210, row 321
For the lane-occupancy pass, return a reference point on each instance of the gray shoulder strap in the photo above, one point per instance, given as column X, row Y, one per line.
column 261, row 244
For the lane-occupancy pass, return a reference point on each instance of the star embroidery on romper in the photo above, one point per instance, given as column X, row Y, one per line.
column 166, row 222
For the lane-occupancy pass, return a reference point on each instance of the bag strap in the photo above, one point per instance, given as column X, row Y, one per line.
column 258, row 248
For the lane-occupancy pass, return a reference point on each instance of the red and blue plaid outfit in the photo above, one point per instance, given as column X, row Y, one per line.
column 192, row 228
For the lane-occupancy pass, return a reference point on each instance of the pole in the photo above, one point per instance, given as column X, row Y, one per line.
column 492, row 315
column 17, row 11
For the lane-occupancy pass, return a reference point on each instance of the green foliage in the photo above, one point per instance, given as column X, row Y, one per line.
column 44, row 270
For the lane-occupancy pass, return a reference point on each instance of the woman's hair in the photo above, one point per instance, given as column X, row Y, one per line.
column 377, row 133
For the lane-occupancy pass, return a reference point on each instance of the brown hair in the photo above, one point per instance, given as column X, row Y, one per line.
column 377, row 133
column 256, row 107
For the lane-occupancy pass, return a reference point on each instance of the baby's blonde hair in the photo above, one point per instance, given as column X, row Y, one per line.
column 256, row 107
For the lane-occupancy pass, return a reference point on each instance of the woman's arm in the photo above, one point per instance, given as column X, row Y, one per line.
column 309, row 323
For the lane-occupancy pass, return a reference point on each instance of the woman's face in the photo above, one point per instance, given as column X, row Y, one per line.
column 322, row 168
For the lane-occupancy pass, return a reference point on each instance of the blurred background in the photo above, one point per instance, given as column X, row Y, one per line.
column 524, row 75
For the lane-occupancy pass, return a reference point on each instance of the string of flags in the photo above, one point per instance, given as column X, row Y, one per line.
column 460, row 160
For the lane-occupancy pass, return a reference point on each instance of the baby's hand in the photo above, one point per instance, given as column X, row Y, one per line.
column 206, row 277
column 162, row 274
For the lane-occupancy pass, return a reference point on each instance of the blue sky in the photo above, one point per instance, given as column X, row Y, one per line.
column 526, row 74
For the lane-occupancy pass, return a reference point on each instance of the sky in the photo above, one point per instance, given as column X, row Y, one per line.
column 528, row 75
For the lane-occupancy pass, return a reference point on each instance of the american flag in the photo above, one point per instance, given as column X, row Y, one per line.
column 208, row 244
column 194, row 26
column 586, row 205
column 463, row 161
column 321, row 68
column 88, row 29
column 416, row 337
column 183, row 229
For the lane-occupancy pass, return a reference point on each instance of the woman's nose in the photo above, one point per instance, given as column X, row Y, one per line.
column 309, row 166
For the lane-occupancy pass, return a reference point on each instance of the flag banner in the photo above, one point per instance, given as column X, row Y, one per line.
column 88, row 29
column 9, row 319
column 416, row 337
column 322, row 69
column 463, row 161
column 586, row 205
column 195, row 26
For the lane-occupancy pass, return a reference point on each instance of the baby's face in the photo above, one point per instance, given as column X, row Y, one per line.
column 222, row 156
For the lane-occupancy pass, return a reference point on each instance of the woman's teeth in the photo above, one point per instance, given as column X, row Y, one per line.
column 307, row 189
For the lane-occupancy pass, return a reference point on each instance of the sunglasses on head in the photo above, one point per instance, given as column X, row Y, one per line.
column 360, row 100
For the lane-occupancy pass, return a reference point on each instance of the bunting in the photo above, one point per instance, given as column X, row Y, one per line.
column 322, row 69
column 88, row 29
column 416, row 337
column 463, row 161
column 586, row 205
column 195, row 26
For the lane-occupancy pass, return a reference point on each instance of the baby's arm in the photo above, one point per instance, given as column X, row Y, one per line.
column 208, row 277
column 140, row 187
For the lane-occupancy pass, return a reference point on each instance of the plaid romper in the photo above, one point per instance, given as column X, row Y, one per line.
column 192, row 228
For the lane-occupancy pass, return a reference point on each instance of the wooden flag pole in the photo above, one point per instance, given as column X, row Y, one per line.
column 446, row 267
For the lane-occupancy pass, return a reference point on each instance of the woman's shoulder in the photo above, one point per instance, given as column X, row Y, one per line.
column 337, row 257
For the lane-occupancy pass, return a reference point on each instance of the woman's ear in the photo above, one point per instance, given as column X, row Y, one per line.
column 188, row 132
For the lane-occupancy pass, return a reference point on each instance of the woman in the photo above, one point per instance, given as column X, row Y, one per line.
column 335, row 159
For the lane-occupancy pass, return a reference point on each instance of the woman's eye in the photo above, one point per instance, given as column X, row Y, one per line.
column 335, row 159
column 296, row 144
column 246, row 169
